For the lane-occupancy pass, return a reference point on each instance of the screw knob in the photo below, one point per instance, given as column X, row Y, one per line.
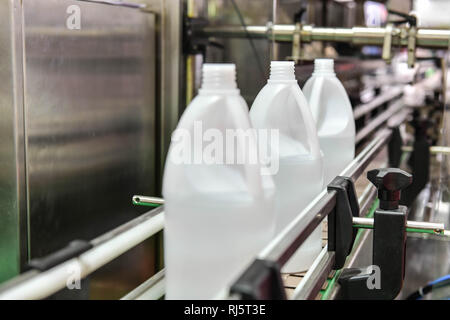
column 389, row 182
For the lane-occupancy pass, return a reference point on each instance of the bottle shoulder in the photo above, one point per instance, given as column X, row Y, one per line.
column 232, row 110
column 272, row 93
column 325, row 89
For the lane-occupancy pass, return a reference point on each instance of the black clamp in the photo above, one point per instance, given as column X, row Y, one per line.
column 261, row 281
column 341, row 234
column 384, row 278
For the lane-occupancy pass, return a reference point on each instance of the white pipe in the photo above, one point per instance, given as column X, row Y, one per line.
column 50, row 281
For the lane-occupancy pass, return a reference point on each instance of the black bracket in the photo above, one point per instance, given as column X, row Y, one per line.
column 261, row 281
column 341, row 234
column 384, row 278
column 191, row 43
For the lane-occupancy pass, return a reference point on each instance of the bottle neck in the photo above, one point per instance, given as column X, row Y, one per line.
column 218, row 77
column 324, row 67
column 282, row 71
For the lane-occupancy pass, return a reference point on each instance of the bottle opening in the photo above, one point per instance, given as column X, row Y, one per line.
column 219, row 76
column 282, row 70
column 323, row 66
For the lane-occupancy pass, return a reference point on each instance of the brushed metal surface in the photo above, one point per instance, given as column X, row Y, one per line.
column 12, row 168
column 89, row 117
column 89, row 114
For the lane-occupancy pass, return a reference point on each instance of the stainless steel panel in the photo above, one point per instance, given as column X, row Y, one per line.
column 89, row 119
column 12, row 170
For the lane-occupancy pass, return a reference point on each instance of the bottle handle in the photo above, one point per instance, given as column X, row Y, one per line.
column 252, row 172
column 308, row 121
column 315, row 98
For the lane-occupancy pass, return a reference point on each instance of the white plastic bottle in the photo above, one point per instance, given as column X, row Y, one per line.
column 281, row 105
column 333, row 114
column 219, row 211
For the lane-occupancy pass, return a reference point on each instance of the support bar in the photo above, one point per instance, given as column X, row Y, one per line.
column 413, row 226
column 425, row 38
column 148, row 201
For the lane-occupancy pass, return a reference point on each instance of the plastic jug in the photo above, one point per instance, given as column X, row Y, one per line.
column 281, row 105
column 218, row 207
column 333, row 114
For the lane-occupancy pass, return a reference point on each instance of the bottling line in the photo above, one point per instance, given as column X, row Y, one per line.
column 93, row 89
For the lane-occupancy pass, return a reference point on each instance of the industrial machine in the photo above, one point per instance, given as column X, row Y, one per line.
column 92, row 90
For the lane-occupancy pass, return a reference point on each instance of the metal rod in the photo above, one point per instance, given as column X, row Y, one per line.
column 437, row 228
column 427, row 38
column 148, row 201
